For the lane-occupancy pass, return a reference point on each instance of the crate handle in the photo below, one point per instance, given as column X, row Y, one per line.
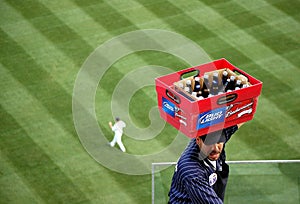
column 189, row 73
column 227, row 99
column 172, row 96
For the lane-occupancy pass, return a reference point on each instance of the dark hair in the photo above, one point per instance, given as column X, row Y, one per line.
column 117, row 118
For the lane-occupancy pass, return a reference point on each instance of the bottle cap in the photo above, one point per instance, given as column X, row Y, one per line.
column 232, row 78
column 187, row 89
column 181, row 85
column 225, row 73
column 194, row 94
column 188, row 82
column 197, row 78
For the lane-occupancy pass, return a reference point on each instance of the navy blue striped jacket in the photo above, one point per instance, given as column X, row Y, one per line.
column 190, row 182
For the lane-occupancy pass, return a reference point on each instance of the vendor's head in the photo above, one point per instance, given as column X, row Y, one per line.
column 211, row 145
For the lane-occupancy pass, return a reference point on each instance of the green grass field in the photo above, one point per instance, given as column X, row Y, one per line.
column 44, row 44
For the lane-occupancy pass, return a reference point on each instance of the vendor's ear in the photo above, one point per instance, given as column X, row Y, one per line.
column 198, row 140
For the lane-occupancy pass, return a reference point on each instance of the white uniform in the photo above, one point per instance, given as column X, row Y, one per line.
column 118, row 129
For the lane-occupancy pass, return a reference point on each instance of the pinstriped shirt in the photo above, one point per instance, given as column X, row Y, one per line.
column 190, row 182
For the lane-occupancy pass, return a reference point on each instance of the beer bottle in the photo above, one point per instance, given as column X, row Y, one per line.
column 206, row 81
column 245, row 85
column 205, row 93
column 188, row 87
column 231, row 84
column 224, row 77
column 216, row 77
column 194, row 94
column 205, row 87
column 180, row 84
column 197, row 95
column 238, row 84
column 225, row 81
column 243, row 79
column 214, row 88
column 226, row 85
column 197, row 86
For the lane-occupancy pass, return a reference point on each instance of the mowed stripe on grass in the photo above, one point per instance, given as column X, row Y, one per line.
column 31, row 163
column 13, row 184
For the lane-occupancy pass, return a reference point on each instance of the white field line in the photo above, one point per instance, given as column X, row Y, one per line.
column 236, row 162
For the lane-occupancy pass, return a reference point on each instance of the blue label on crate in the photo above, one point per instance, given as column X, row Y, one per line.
column 168, row 107
column 210, row 118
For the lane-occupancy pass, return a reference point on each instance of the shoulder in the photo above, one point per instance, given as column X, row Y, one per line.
column 192, row 175
column 190, row 169
column 121, row 123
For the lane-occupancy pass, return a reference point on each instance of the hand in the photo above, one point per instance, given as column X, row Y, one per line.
column 110, row 124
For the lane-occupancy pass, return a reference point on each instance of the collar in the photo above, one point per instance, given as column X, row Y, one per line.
column 209, row 163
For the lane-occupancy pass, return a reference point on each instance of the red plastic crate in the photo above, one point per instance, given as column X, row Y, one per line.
column 199, row 117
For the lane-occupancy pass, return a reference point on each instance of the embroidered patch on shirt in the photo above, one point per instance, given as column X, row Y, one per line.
column 212, row 179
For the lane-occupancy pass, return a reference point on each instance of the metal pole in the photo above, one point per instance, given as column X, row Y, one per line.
column 153, row 171
column 262, row 161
